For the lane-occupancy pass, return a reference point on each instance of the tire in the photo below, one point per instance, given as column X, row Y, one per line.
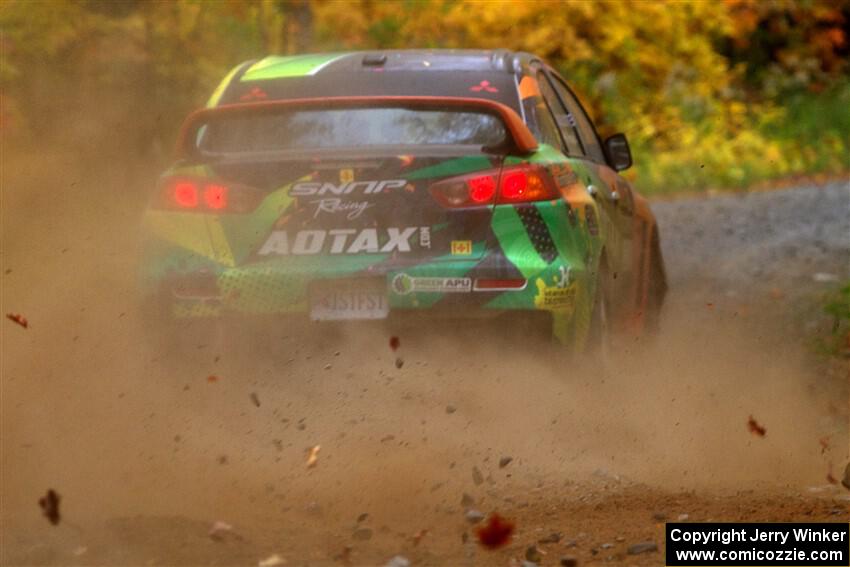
column 598, row 345
column 656, row 289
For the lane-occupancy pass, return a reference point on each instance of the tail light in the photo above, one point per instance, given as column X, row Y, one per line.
column 515, row 184
column 202, row 195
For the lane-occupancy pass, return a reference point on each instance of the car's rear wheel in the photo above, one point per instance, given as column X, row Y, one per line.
column 598, row 334
column 656, row 288
column 598, row 344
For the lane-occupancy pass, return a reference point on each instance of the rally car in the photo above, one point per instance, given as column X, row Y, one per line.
column 454, row 184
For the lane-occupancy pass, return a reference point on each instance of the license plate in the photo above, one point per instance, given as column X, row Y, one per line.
column 348, row 302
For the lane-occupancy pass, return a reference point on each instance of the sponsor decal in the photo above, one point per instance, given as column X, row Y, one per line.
column 461, row 247
column 310, row 188
column 339, row 241
column 334, row 205
column 560, row 295
column 564, row 277
column 554, row 297
column 403, row 284
column 425, row 237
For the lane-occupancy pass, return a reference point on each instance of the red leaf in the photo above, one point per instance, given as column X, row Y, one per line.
column 496, row 532
column 49, row 505
column 394, row 343
column 212, row 378
column 19, row 319
column 755, row 428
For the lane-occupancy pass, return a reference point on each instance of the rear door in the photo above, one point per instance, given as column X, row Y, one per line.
column 611, row 192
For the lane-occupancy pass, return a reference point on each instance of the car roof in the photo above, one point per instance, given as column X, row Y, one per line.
column 423, row 60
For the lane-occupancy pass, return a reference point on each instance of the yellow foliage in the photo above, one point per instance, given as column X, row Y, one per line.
column 675, row 76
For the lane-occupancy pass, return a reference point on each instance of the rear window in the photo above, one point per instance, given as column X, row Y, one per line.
column 350, row 128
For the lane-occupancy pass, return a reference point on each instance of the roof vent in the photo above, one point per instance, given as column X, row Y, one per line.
column 499, row 60
column 374, row 60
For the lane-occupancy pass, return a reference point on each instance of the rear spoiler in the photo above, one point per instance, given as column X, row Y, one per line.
column 522, row 138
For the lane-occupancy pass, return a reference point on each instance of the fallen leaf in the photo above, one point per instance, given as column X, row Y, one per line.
column 824, row 444
column 50, row 506
column 417, row 537
column 255, row 399
column 755, row 428
column 394, row 343
column 212, row 378
column 496, row 532
column 399, row 362
column 313, row 456
column 19, row 319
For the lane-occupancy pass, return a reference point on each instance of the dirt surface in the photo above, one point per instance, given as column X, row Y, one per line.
column 148, row 451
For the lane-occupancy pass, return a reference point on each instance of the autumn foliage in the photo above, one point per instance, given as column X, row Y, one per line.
column 711, row 94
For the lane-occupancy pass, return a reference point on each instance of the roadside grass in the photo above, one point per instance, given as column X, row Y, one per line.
column 836, row 305
column 808, row 135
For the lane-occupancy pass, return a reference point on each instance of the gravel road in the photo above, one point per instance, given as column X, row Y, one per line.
column 749, row 243
column 147, row 456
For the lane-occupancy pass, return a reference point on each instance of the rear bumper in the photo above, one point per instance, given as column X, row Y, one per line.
column 268, row 333
column 441, row 289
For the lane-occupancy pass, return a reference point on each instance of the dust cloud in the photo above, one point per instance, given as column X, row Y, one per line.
column 147, row 448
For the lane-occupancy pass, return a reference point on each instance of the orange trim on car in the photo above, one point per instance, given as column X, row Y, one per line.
column 528, row 88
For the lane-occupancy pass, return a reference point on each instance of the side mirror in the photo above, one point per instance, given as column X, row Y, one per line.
column 619, row 154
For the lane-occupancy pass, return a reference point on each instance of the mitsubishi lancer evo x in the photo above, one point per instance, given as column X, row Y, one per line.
column 378, row 185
